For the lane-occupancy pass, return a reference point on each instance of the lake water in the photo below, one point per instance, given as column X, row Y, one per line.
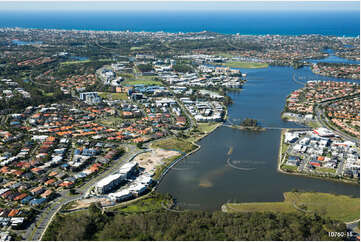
column 78, row 58
column 241, row 166
column 333, row 59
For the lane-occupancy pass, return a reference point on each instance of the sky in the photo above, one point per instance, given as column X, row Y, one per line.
column 178, row 5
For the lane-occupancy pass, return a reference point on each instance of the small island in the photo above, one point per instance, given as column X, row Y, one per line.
column 249, row 124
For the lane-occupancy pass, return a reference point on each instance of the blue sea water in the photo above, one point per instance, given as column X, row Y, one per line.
column 337, row 23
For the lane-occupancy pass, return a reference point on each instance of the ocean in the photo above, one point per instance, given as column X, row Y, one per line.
column 336, row 23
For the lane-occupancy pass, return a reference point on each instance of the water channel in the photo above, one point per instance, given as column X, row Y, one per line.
column 241, row 166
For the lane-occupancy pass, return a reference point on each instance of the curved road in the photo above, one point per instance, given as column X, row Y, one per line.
column 325, row 122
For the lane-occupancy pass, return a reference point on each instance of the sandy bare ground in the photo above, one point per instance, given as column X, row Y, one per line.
column 84, row 203
column 152, row 159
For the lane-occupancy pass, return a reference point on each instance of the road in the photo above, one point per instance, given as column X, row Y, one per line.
column 37, row 229
column 352, row 225
column 325, row 122
column 190, row 117
column 339, row 168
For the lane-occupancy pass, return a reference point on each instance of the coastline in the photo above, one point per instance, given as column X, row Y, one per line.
column 201, row 29
column 279, row 161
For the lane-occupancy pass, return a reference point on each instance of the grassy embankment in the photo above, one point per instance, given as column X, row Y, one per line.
column 202, row 129
column 338, row 207
column 171, row 143
column 289, row 168
column 325, row 169
column 154, row 202
column 282, row 158
column 282, row 154
column 241, row 64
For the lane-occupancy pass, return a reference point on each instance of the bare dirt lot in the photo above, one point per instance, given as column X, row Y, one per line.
column 151, row 160
column 84, row 203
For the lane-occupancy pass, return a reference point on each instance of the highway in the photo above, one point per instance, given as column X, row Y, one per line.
column 325, row 123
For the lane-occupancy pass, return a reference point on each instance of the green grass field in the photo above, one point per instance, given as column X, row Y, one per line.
column 284, row 148
column 113, row 96
column 207, row 127
column 142, row 82
column 325, row 169
column 288, row 167
column 48, row 94
column 240, row 64
column 130, row 79
column 111, row 121
column 313, row 124
column 203, row 128
column 281, row 207
column 174, row 144
column 338, row 207
column 225, row 54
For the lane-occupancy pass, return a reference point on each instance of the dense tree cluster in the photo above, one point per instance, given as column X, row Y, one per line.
column 145, row 67
column 191, row 225
column 249, row 122
column 182, row 68
column 18, row 102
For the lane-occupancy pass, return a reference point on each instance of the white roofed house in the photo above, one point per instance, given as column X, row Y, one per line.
column 297, row 148
column 138, row 189
column 323, row 132
column 290, row 137
column 109, row 183
column 128, row 169
column 121, row 195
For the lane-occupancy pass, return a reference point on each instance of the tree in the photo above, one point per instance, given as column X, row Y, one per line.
column 227, row 100
column 182, row 68
column 248, row 122
column 72, row 191
column 95, row 210
column 145, row 67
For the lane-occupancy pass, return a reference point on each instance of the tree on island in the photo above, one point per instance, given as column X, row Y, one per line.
column 249, row 122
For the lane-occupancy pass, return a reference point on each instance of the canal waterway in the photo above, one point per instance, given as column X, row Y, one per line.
column 241, row 166
column 332, row 58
